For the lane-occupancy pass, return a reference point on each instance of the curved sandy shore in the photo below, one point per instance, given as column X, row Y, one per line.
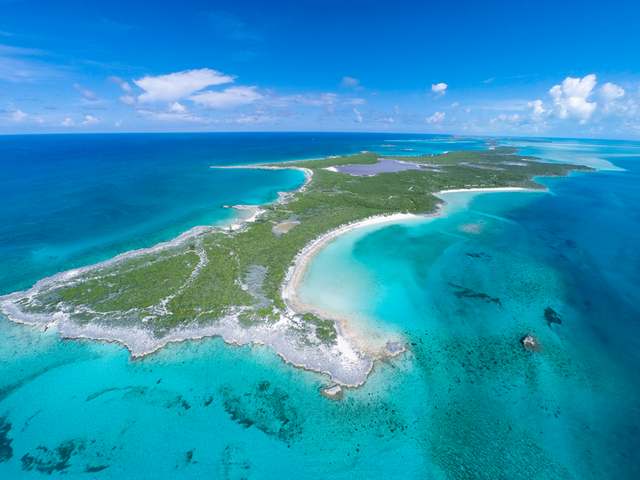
column 297, row 271
column 349, row 335
column 488, row 190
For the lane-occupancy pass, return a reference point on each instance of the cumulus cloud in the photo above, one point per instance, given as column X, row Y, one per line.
column 439, row 88
column 437, row 117
column 571, row 104
column 67, row 122
column 611, row 92
column 174, row 86
column 538, row 111
column 90, row 120
column 358, row 115
column 227, row 98
column 571, row 98
column 350, row 82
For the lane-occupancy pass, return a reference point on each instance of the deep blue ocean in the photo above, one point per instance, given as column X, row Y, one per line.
column 466, row 400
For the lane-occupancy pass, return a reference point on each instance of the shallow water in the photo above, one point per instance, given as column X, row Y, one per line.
column 464, row 289
column 466, row 401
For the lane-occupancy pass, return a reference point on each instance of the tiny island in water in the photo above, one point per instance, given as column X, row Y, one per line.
column 240, row 281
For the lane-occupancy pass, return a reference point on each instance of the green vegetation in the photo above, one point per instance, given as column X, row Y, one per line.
column 208, row 277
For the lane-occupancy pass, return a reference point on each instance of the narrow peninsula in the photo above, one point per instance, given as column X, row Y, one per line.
column 239, row 282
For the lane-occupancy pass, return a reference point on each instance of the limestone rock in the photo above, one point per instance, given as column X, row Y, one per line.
column 333, row 392
column 530, row 343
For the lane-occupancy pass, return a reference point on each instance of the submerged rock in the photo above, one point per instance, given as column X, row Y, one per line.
column 551, row 316
column 394, row 348
column 464, row 292
column 265, row 407
column 530, row 343
column 334, row 392
column 6, row 451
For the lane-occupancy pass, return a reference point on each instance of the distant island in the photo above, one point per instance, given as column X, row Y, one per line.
column 239, row 282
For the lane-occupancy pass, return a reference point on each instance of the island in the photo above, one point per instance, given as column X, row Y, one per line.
column 239, row 282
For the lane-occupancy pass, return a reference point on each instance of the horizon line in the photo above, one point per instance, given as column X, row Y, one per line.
column 327, row 132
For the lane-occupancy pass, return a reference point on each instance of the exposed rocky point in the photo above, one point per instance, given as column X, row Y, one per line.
column 530, row 343
column 334, row 392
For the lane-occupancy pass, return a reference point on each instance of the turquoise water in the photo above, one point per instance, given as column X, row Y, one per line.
column 466, row 288
column 466, row 401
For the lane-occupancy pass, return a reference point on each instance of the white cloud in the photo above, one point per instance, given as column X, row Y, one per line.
column 571, row 98
column 350, row 82
column 227, row 98
column 67, row 122
column 90, row 120
column 437, row 117
column 439, row 88
column 174, row 86
column 358, row 115
column 611, row 92
column 18, row 116
column 176, row 107
column 538, row 111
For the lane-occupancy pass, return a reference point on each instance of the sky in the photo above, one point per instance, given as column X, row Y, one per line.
column 543, row 68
